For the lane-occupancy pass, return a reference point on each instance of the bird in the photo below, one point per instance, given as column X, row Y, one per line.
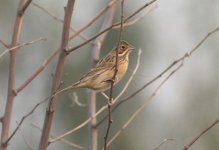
column 100, row 77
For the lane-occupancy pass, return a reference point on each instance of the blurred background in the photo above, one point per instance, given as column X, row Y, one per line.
column 182, row 108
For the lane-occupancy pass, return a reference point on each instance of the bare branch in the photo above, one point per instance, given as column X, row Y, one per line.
column 163, row 142
column 25, row 140
column 58, row 76
column 93, row 136
column 94, row 19
column 56, row 18
column 140, row 9
column 203, row 40
column 67, row 142
column 19, row 46
column 44, row 9
column 11, row 80
column 110, row 100
column 64, row 140
column 37, row 71
column 24, row 117
column 142, row 15
column 4, row 44
column 110, row 27
column 78, row 127
column 23, row 9
column 201, row 134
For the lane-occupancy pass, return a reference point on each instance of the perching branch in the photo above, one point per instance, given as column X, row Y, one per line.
column 110, row 100
column 93, row 134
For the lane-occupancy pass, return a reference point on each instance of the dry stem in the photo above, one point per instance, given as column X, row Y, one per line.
column 11, row 80
column 201, row 134
column 58, row 76
column 19, row 46
column 110, row 100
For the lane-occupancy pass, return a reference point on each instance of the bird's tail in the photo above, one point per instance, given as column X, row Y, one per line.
column 65, row 89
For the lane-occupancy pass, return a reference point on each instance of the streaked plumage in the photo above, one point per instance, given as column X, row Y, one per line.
column 98, row 78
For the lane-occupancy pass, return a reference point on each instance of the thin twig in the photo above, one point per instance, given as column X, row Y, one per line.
column 20, row 45
column 140, row 9
column 93, row 136
column 203, row 40
column 44, row 9
column 24, row 117
column 163, row 142
column 63, row 140
column 4, row 44
column 94, row 19
column 110, row 100
column 201, row 134
column 110, row 27
column 25, row 140
column 57, row 19
column 137, row 19
column 37, row 71
column 78, row 127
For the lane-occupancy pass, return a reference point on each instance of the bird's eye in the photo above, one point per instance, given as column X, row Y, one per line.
column 122, row 49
